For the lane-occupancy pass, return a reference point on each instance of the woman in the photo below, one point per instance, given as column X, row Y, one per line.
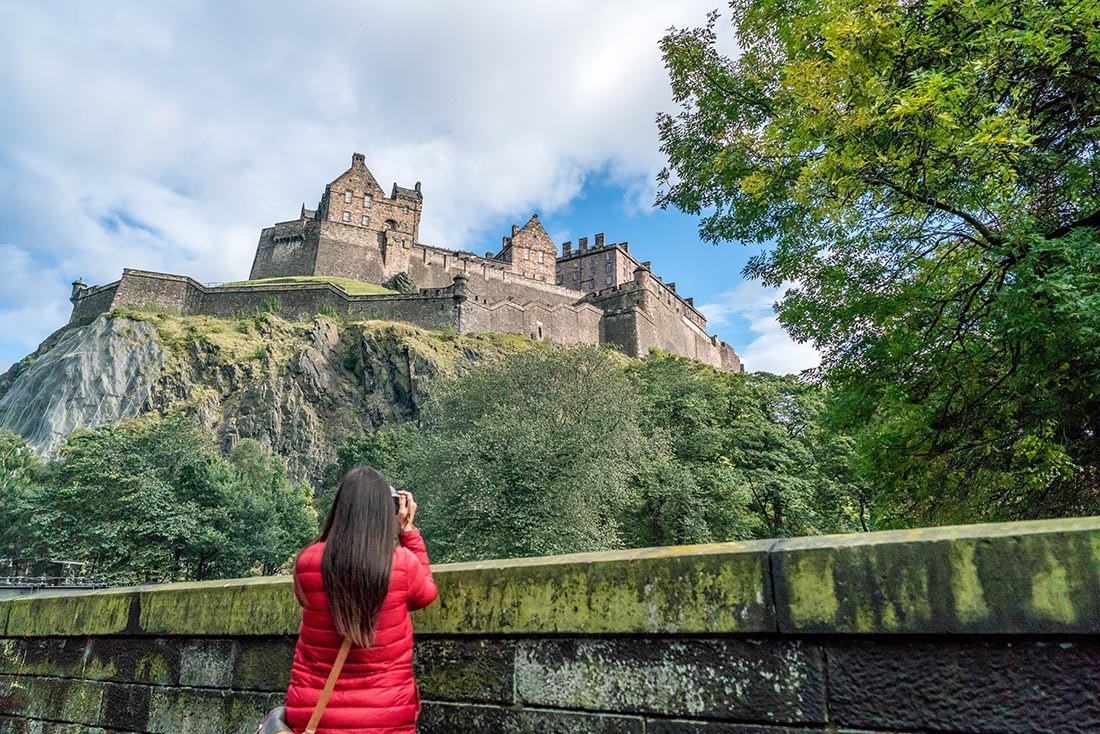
column 356, row 582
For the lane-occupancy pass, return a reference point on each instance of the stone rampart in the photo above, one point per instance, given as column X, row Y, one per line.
column 982, row 629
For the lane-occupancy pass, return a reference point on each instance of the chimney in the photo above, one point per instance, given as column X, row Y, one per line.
column 672, row 287
column 515, row 229
column 690, row 301
column 582, row 244
column 505, row 241
column 566, row 248
column 417, row 187
column 625, row 246
column 357, row 159
column 599, row 240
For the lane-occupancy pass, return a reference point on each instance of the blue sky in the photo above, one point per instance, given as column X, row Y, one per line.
column 164, row 136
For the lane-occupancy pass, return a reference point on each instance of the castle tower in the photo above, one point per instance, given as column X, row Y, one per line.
column 531, row 251
column 357, row 200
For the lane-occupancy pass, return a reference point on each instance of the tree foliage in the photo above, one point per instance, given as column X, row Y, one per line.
column 558, row 451
column 153, row 500
column 924, row 178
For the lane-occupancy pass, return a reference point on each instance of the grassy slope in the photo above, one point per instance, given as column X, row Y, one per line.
column 262, row 336
column 349, row 286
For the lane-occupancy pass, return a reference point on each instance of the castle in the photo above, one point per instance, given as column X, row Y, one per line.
column 590, row 294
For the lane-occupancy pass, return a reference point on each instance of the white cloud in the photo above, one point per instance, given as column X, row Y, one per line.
column 165, row 135
column 750, row 307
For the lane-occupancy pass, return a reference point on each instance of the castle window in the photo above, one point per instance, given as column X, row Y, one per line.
column 559, row 279
column 608, row 268
column 607, row 255
column 347, row 216
column 541, row 254
column 347, row 197
column 366, row 201
column 609, row 280
column 526, row 253
column 574, row 276
column 366, row 220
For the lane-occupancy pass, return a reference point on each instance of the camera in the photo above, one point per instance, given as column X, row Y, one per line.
column 396, row 500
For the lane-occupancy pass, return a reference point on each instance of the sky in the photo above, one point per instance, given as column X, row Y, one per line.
column 164, row 136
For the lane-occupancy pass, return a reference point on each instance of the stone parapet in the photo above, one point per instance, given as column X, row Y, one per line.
column 983, row 628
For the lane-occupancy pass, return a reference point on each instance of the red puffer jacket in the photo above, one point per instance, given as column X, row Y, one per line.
column 376, row 693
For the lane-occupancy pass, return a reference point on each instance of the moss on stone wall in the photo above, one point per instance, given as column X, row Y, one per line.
column 1035, row 577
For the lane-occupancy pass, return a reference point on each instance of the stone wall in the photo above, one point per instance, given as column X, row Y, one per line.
column 91, row 302
column 288, row 248
column 647, row 314
column 981, row 629
column 635, row 317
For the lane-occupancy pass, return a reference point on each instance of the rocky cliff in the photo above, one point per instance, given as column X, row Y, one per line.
column 301, row 388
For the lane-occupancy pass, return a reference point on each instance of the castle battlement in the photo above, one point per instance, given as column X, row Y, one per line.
column 580, row 295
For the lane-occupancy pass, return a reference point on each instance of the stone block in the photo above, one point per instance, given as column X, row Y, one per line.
column 765, row 681
column 263, row 664
column 457, row 718
column 208, row 663
column 61, row 657
column 678, row 726
column 37, row 726
column 723, row 587
column 1007, row 578
column 465, row 670
column 1003, row 686
column 126, row 707
column 255, row 606
column 153, row 661
column 53, row 699
column 193, row 711
column 98, row 612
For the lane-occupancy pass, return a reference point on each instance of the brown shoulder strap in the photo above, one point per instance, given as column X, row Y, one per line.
column 330, row 684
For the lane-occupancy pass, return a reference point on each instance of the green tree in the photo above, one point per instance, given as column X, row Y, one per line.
column 739, row 456
column 20, row 469
column 153, row 500
column 923, row 177
column 532, row 455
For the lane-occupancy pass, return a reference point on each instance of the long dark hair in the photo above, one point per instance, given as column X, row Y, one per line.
column 359, row 533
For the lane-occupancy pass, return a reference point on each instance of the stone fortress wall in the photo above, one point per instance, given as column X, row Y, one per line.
column 598, row 295
column 984, row 629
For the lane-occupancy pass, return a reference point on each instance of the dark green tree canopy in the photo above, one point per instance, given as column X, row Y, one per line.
column 924, row 178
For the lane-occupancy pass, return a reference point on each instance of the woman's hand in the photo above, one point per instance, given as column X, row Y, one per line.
column 406, row 510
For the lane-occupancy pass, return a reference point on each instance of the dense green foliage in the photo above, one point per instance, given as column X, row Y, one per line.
column 556, row 451
column 923, row 177
column 153, row 500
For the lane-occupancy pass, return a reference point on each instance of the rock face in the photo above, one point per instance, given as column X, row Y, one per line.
column 300, row 388
column 101, row 373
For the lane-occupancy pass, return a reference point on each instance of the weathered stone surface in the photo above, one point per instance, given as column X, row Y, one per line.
column 677, row 726
column 255, row 606
column 722, row 587
column 97, row 374
column 54, row 699
column 99, row 612
column 60, row 657
column 190, row 711
column 10, row 725
column 998, row 685
column 208, row 663
column 741, row 680
column 264, row 664
column 134, row 660
column 457, row 718
column 1041, row 576
column 465, row 670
